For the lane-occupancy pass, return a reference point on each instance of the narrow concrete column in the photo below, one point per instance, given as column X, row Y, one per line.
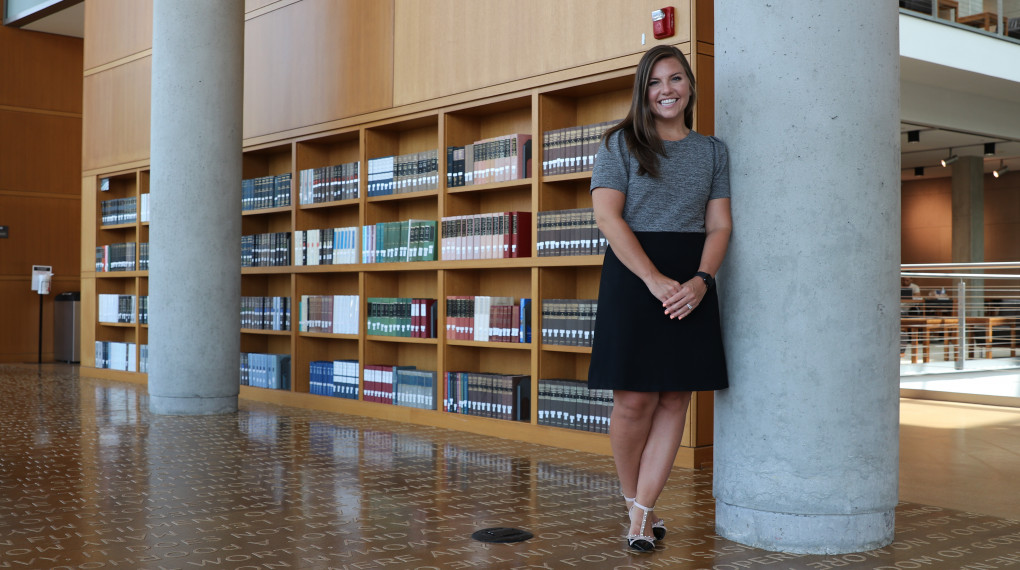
column 806, row 437
column 968, row 210
column 195, row 184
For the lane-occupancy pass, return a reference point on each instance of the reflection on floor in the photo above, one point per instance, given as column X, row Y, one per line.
column 89, row 479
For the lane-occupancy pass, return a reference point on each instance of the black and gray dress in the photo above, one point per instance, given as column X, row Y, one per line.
column 637, row 346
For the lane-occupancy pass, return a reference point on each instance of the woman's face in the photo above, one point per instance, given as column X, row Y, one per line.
column 669, row 90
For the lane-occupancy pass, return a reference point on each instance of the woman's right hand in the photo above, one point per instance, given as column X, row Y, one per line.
column 662, row 287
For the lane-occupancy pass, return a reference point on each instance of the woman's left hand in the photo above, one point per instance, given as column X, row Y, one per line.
column 686, row 300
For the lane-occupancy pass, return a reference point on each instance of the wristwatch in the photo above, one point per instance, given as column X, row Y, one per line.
column 708, row 279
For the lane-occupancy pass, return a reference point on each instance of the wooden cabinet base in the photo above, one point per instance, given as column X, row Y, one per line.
column 688, row 457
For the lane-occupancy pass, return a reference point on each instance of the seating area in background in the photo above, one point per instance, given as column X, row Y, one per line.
column 924, row 321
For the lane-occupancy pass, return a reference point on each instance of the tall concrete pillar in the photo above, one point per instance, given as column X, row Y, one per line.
column 968, row 210
column 806, row 437
column 195, row 184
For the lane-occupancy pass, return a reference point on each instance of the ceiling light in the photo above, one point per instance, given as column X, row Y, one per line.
column 950, row 159
column 1002, row 169
column 913, row 136
column 989, row 149
column 918, row 171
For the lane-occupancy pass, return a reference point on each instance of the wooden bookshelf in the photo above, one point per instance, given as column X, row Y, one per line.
column 573, row 102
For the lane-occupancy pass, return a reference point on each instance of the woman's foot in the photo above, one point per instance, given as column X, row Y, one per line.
column 639, row 524
column 658, row 525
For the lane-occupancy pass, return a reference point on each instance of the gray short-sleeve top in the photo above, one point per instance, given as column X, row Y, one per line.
column 694, row 171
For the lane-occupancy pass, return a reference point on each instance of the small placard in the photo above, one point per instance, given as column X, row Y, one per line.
column 3, row 232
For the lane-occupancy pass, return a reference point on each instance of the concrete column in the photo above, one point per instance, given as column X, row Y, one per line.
column 968, row 210
column 806, row 437
column 195, row 184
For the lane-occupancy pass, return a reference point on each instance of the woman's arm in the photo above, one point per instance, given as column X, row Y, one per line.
column 608, row 206
column 718, row 225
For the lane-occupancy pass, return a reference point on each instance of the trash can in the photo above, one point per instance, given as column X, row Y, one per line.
column 67, row 327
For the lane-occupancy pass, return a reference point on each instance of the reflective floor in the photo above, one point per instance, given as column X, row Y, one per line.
column 89, row 479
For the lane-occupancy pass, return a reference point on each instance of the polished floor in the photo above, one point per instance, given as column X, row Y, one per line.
column 89, row 479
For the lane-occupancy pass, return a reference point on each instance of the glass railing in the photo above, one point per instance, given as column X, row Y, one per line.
column 1000, row 17
column 963, row 315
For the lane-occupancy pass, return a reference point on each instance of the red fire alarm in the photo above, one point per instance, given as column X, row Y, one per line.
column 662, row 23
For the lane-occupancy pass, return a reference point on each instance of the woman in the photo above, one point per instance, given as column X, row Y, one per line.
column 661, row 197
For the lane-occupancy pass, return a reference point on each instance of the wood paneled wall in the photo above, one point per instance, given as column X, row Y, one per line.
column 455, row 46
column 927, row 231
column 316, row 61
column 40, row 168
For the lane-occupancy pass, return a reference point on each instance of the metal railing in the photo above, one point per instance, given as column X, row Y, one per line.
column 998, row 17
column 972, row 310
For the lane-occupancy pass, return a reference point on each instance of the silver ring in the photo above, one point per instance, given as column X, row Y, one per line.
column 690, row 307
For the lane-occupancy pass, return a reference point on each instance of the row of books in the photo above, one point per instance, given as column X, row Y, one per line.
column 572, row 149
column 265, row 250
column 488, row 319
column 497, row 159
column 401, row 317
column 413, row 172
column 265, row 192
column 116, row 355
column 116, row 257
column 143, row 256
column 571, row 404
column 326, row 246
column 569, row 232
column 569, row 322
column 400, row 386
column 265, row 313
column 114, row 308
column 335, row 378
column 489, row 395
column 118, row 211
column 143, row 310
column 494, row 235
column 329, row 183
column 335, row 314
column 265, row 370
column 409, row 240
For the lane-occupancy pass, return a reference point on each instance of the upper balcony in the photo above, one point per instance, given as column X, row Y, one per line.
column 993, row 17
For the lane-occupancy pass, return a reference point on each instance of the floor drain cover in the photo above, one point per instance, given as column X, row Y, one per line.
column 501, row 534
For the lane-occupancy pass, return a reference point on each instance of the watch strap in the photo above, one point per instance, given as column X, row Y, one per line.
column 708, row 279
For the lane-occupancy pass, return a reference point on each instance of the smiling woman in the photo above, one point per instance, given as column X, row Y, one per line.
column 660, row 192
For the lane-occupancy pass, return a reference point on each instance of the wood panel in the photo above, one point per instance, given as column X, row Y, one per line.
column 40, row 71
column 316, row 61
column 116, row 29
column 116, row 115
column 927, row 226
column 449, row 47
column 1002, row 217
column 43, row 231
column 19, row 311
column 39, row 152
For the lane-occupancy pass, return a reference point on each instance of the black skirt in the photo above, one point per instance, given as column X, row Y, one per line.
column 637, row 346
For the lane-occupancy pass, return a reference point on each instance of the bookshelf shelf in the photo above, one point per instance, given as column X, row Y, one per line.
column 523, row 183
column 566, row 349
column 524, row 346
column 344, row 163
column 267, row 211
column 265, row 332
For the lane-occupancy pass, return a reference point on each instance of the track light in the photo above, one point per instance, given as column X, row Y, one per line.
column 989, row 149
column 950, row 159
column 913, row 136
column 918, row 171
column 1002, row 169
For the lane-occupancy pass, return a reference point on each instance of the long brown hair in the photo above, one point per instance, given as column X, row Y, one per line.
column 639, row 125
